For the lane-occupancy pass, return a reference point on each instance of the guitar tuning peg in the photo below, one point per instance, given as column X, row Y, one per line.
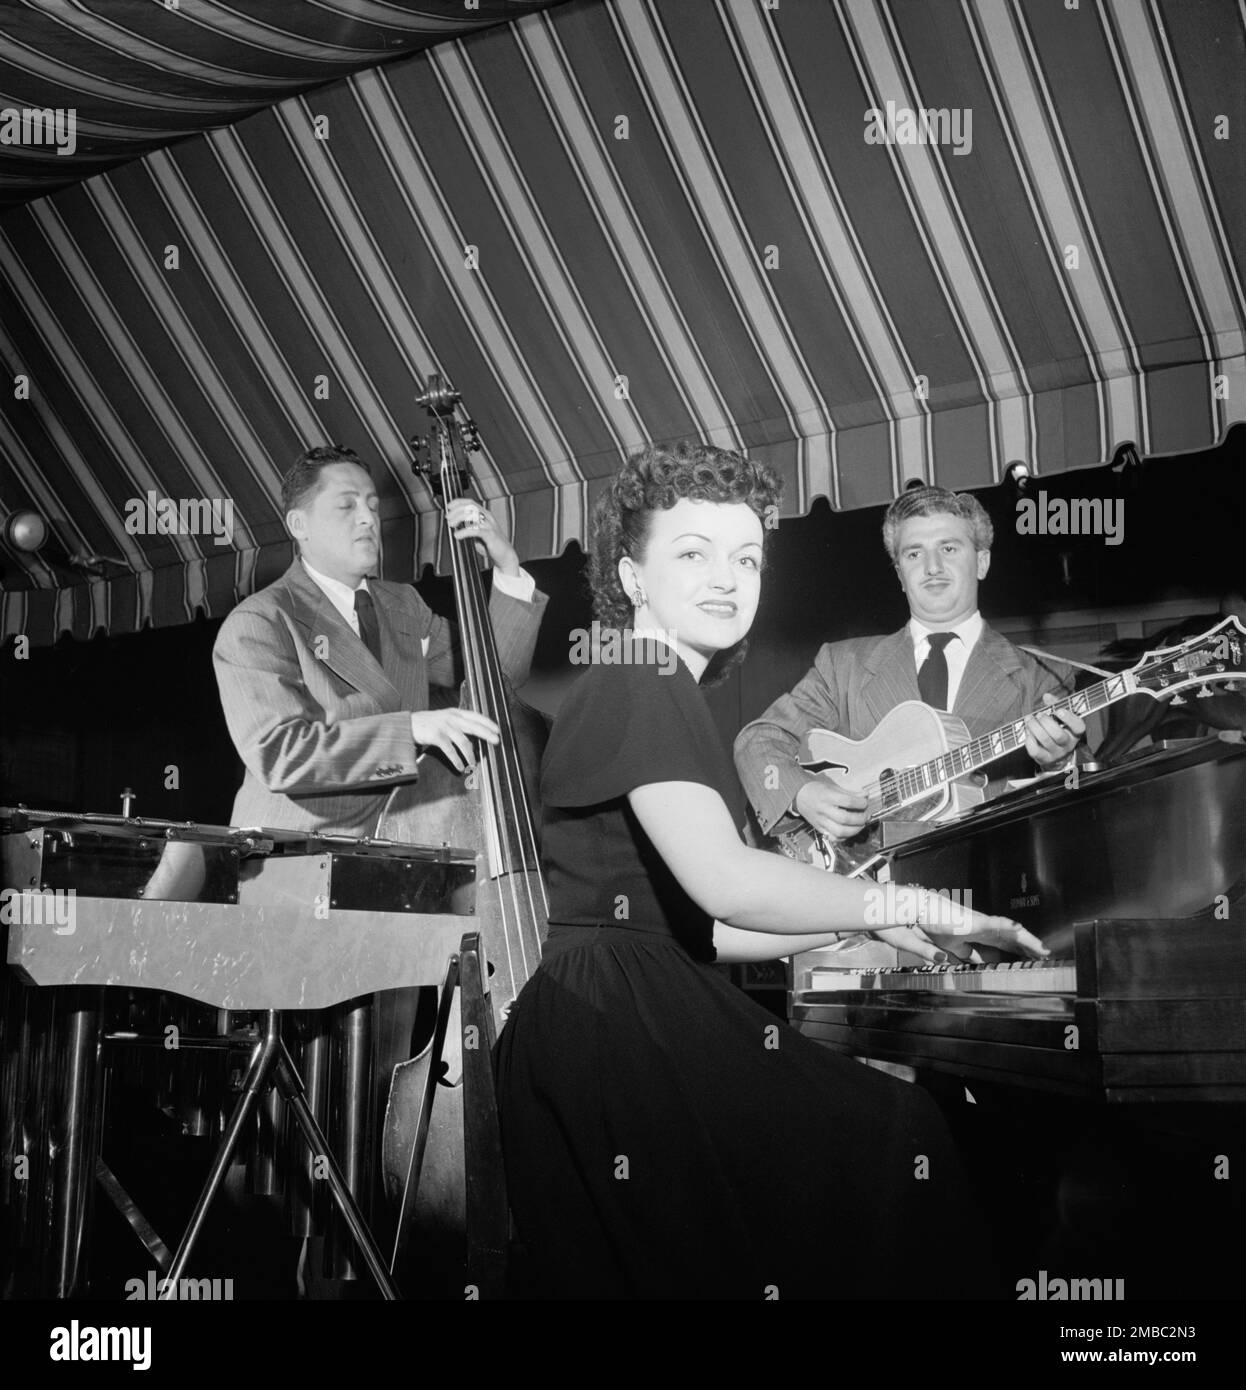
column 1177, row 700
column 1204, row 691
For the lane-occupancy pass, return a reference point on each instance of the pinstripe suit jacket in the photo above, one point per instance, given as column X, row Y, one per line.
column 324, row 731
column 854, row 684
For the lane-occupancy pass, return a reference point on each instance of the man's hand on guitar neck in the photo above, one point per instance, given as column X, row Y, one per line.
column 1050, row 737
column 832, row 809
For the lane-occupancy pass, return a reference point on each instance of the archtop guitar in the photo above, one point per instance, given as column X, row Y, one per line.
column 919, row 759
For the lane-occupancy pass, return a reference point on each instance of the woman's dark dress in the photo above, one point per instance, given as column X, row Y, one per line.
column 665, row 1137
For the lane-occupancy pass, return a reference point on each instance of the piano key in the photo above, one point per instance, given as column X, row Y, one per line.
column 1056, row 976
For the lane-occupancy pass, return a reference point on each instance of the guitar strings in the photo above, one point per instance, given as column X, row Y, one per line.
column 910, row 784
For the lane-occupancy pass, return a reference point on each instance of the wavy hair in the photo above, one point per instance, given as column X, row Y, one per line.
column 655, row 480
column 937, row 501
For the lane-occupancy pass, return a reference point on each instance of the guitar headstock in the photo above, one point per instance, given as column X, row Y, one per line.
column 1219, row 655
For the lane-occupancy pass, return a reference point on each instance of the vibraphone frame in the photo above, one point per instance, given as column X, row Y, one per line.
column 282, row 946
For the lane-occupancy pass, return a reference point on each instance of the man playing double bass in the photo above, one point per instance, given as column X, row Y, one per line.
column 324, row 675
column 325, row 680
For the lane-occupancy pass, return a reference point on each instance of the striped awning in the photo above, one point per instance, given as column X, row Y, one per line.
column 139, row 74
column 868, row 240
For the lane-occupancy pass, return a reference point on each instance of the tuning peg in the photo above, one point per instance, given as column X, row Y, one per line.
column 1204, row 692
column 1177, row 700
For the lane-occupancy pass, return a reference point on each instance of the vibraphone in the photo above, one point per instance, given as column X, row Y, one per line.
column 138, row 932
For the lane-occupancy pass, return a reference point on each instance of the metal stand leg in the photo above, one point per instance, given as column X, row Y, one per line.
column 352, row 1118
column 306, row 1214
column 271, row 1065
column 292, row 1088
column 77, row 1135
column 128, row 1209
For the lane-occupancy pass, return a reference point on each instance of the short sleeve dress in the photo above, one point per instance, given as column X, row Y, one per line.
column 664, row 1136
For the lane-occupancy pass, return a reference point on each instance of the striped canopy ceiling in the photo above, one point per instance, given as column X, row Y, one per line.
column 618, row 221
column 139, row 74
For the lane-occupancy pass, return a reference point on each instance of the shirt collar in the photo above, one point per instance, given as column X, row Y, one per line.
column 334, row 587
column 968, row 630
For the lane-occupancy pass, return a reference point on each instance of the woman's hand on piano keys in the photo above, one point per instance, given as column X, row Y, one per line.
column 913, row 940
column 997, row 933
column 938, row 928
column 938, row 945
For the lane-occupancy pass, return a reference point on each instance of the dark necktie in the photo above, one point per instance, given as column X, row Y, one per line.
column 932, row 678
column 369, row 628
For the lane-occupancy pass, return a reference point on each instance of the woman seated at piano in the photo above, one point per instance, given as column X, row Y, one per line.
column 665, row 1137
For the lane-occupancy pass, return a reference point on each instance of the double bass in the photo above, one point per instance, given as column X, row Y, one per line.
column 487, row 808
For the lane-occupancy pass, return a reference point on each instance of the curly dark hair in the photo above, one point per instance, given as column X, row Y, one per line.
column 654, row 480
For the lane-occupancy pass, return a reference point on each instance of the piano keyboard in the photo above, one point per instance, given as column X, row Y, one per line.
column 1012, row 977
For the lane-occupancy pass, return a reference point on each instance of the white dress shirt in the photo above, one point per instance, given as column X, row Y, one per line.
column 342, row 596
column 957, row 653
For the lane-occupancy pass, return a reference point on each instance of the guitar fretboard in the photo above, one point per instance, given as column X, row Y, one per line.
column 913, row 783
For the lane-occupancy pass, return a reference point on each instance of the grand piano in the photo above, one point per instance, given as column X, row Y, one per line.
column 1134, row 878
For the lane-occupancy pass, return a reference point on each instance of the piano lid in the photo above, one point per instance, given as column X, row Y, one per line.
column 1162, row 836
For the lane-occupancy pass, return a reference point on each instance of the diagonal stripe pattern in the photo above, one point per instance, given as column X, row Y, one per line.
column 606, row 224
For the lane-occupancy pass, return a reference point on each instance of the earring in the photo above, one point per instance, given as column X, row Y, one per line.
column 638, row 599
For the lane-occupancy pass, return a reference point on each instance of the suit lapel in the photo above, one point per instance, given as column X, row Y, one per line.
column 343, row 652
column 891, row 675
column 400, row 646
column 992, row 664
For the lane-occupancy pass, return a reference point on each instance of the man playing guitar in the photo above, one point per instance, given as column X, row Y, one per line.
column 940, row 544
